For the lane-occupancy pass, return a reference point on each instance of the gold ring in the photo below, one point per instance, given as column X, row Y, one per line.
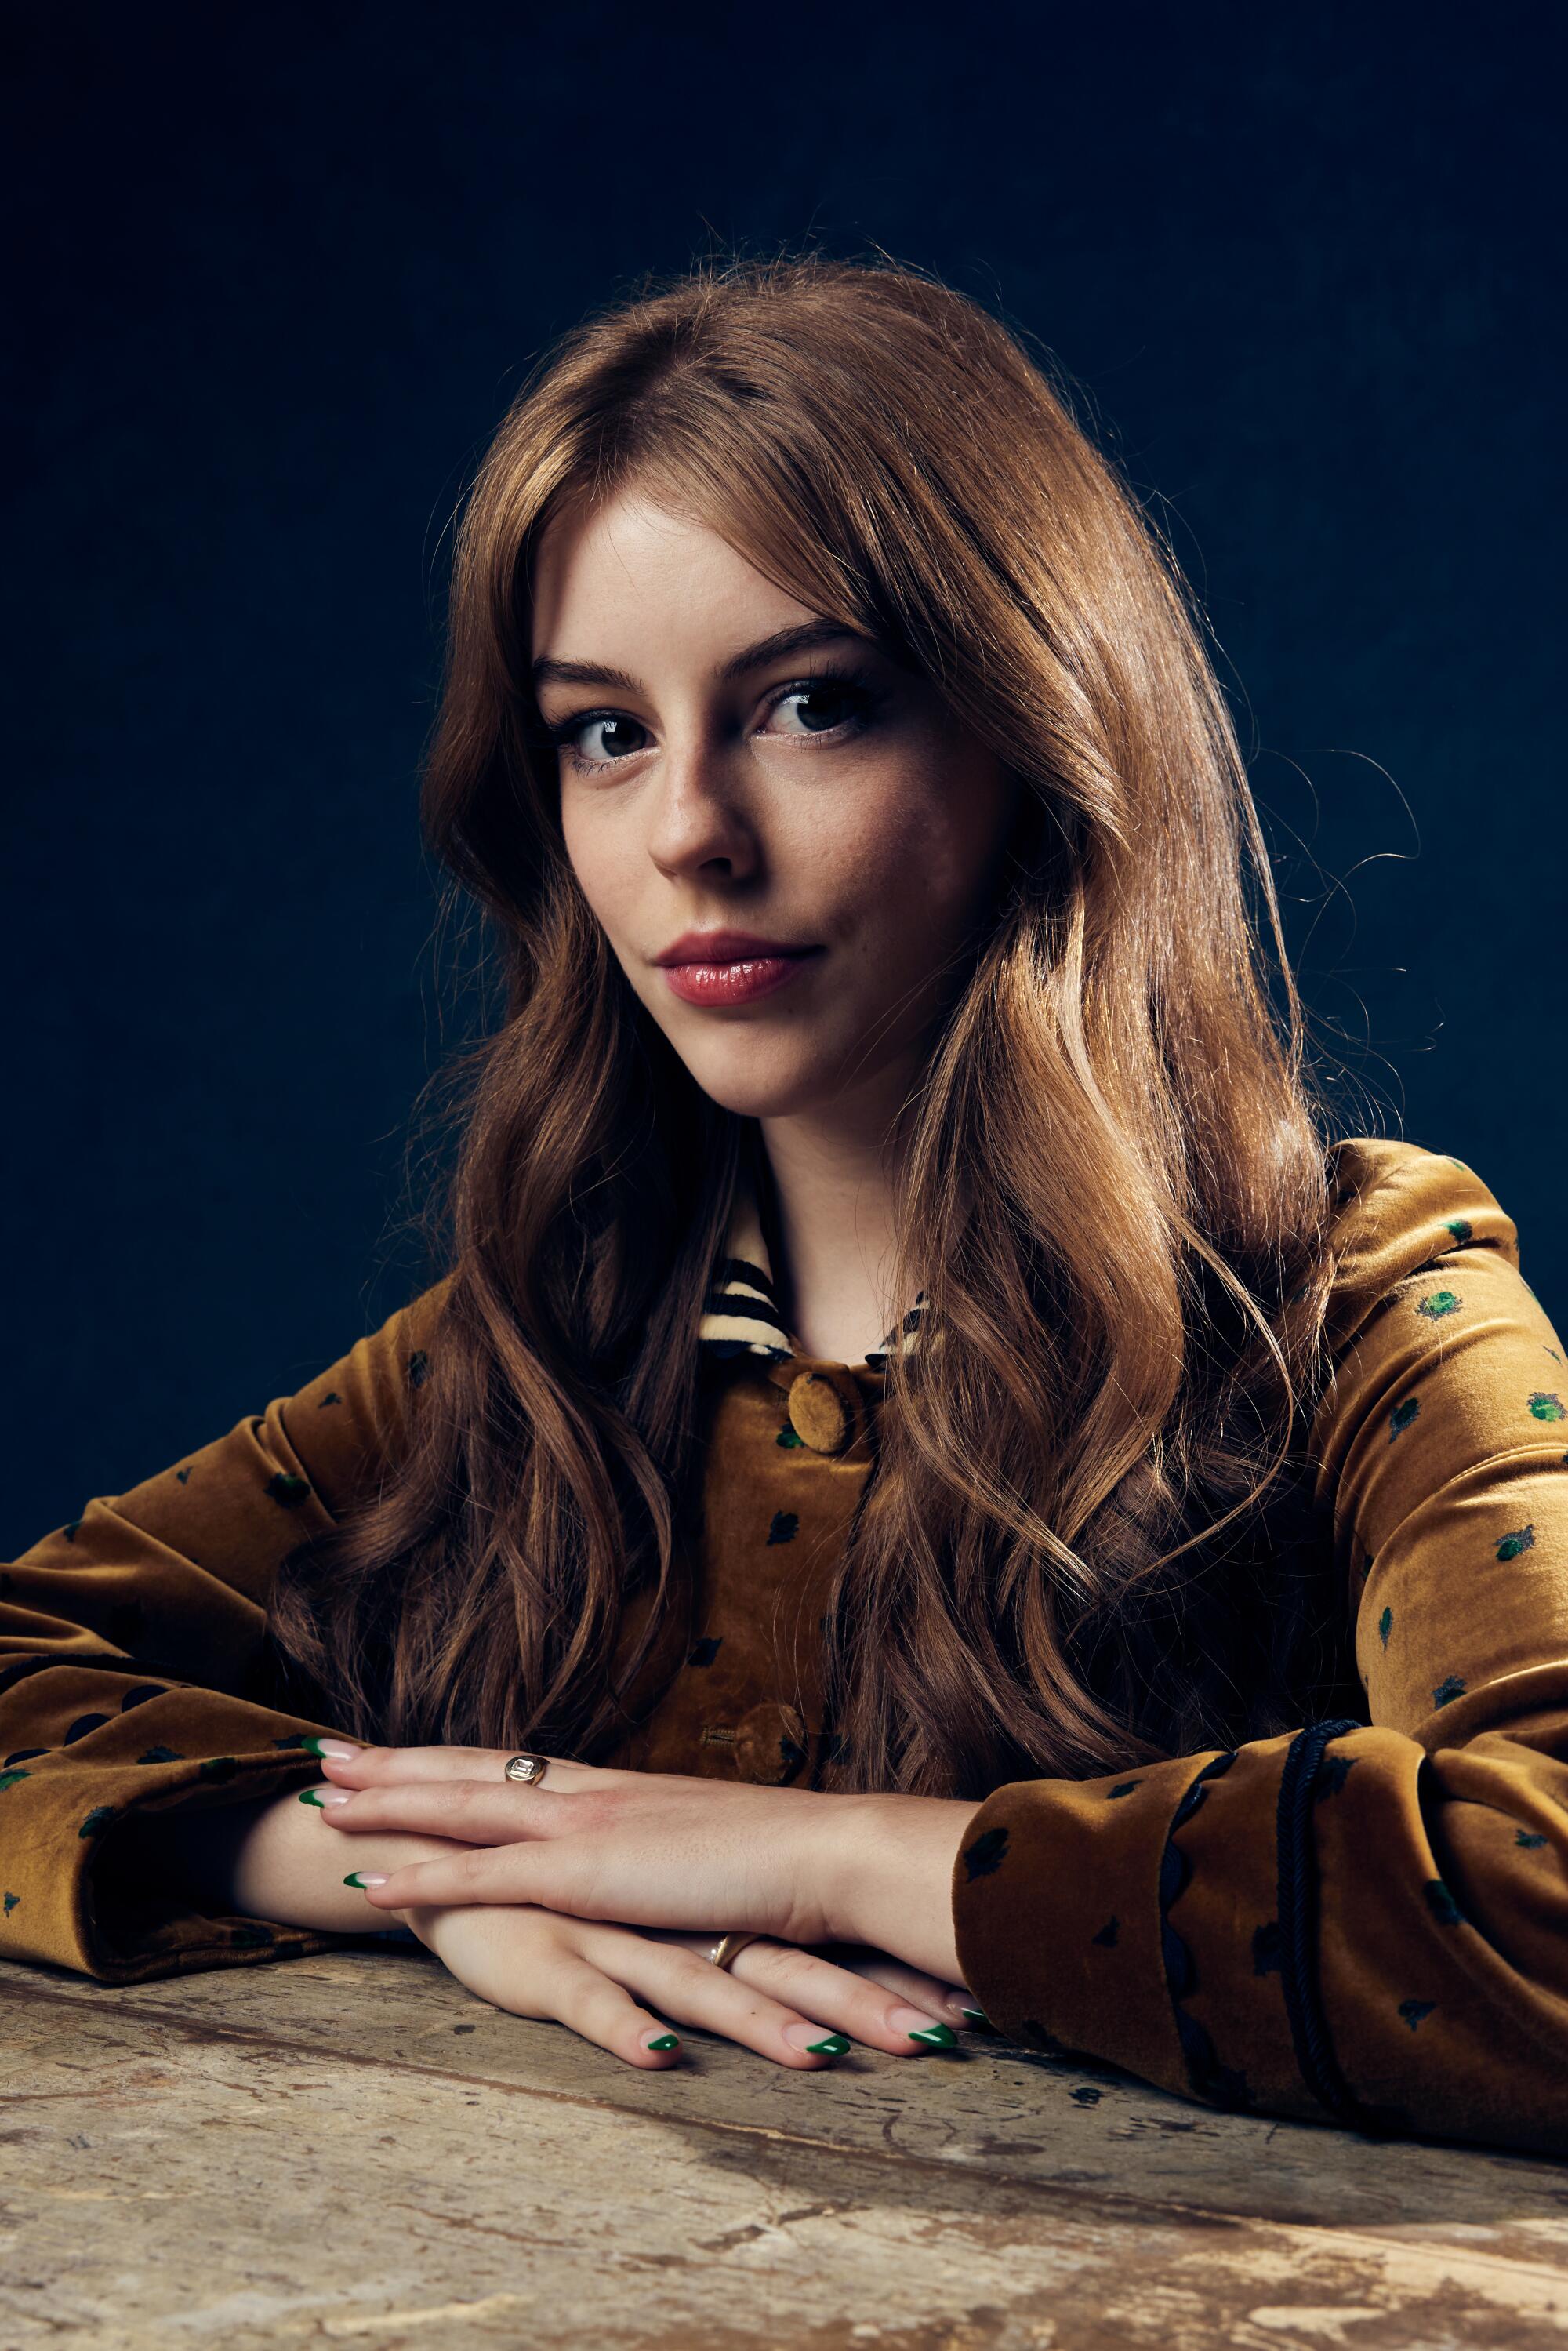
column 525, row 1767
column 729, row 1946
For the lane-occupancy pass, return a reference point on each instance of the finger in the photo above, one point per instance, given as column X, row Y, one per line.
column 949, row 2001
column 891, row 2016
column 550, row 1978
column 682, row 1984
column 351, row 1765
column 471, row 1810
column 559, row 1875
column 601, row 2010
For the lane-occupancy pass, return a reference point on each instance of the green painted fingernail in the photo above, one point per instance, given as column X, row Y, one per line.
column 937, row 2036
column 358, row 1876
column 978, row 2014
column 312, row 1796
column 665, row 2041
column 833, row 2046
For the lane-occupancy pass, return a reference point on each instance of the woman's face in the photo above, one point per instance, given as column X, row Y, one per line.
column 721, row 773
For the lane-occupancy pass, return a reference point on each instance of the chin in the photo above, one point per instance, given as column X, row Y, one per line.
column 750, row 1091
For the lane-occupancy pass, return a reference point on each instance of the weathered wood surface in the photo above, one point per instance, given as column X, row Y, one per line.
column 351, row 2149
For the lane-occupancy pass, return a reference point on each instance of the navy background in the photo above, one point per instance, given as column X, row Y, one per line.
column 273, row 280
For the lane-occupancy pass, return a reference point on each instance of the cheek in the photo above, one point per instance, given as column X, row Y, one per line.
column 912, row 867
column 597, row 854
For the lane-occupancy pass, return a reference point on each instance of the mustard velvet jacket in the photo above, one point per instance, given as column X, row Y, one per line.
column 1366, row 1919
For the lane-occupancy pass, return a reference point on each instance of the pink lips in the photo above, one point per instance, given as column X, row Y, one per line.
column 740, row 981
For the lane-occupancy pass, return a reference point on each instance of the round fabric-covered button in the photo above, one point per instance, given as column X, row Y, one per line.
column 818, row 1414
column 769, row 1743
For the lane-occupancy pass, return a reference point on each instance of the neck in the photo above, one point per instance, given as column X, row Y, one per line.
column 830, row 1228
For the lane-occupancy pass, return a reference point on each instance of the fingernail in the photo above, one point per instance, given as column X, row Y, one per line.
column 312, row 1795
column 325, row 1797
column 363, row 1877
column 917, row 2023
column 977, row 2016
column 811, row 2037
column 339, row 1750
column 661, row 2041
column 919, row 2027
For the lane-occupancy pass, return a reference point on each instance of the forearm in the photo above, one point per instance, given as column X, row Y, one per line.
column 275, row 1859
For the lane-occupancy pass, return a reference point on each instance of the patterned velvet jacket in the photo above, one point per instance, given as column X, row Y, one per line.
column 1363, row 1919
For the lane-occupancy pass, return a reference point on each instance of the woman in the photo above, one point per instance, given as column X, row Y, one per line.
column 929, row 1479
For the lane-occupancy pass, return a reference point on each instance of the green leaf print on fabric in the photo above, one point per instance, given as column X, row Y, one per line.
column 984, row 1854
column 1546, row 1406
column 1413, row 2011
column 1122, row 1788
column 1522, row 1539
column 11, row 1902
column 333, row 1399
column 97, row 1821
column 160, row 1755
column 418, row 1368
column 1386, row 1625
column 1400, row 1419
column 1441, row 1902
column 9, row 1779
column 70, row 1530
column 1450, row 1689
column 287, row 1491
column 184, row 1476
column 784, row 1528
column 219, row 1767
column 789, row 1434
column 1529, row 1838
column 1439, row 1302
column 1460, row 1227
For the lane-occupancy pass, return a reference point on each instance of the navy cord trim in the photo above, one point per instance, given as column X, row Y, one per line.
column 1298, row 1887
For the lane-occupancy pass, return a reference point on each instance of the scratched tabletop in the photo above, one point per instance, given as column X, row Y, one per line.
column 352, row 2148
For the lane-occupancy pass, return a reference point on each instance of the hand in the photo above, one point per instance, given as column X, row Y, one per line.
column 616, row 1987
column 660, row 1849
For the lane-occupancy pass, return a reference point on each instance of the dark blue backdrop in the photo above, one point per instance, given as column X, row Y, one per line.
column 276, row 275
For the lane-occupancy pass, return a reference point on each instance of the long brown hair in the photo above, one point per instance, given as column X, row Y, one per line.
column 1117, row 1162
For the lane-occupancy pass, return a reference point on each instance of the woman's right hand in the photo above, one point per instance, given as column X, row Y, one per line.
column 622, row 1987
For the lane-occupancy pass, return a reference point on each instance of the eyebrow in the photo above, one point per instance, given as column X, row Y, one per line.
column 808, row 636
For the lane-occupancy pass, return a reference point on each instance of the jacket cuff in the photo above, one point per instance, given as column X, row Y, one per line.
column 72, row 1899
column 1087, row 1920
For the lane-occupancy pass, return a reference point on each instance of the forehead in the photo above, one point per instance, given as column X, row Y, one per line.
column 632, row 570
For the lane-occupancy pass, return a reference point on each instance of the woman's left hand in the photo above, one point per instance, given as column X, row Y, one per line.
column 661, row 1849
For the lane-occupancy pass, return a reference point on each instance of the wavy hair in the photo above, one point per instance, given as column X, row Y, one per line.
column 1080, row 1544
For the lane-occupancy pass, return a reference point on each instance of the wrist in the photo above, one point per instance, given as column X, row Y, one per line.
column 888, row 1879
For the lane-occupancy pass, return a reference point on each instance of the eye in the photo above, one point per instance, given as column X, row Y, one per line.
column 617, row 737
column 820, row 704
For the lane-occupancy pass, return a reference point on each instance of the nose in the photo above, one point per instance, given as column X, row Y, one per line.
column 699, row 815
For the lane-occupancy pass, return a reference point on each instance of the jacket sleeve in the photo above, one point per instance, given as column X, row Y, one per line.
column 1364, row 1921
column 131, row 1666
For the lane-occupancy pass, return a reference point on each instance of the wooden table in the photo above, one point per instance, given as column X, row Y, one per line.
column 352, row 2149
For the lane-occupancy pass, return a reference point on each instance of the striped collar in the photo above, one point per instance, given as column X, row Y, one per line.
column 740, row 1313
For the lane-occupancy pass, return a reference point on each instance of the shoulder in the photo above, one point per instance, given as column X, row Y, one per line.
column 362, row 1403
column 1397, row 1207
